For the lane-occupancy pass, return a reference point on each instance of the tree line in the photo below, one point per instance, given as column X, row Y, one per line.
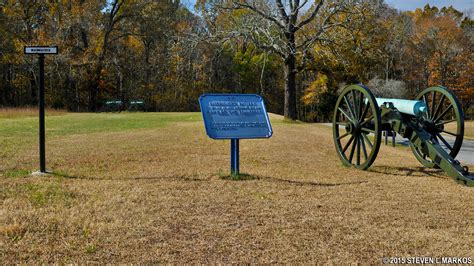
column 296, row 53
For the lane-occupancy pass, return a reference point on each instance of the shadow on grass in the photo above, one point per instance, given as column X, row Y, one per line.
column 175, row 177
column 65, row 175
column 406, row 171
column 311, row 183
column 247, row 177
column 241, row 177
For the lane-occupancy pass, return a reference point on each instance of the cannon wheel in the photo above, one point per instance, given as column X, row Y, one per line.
column 357, row 127
column 444, row 120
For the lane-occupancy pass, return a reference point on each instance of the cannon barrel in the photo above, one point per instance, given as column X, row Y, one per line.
column 411, row 107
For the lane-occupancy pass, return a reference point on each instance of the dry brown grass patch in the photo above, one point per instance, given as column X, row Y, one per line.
column 157, row 195
column 15, row 112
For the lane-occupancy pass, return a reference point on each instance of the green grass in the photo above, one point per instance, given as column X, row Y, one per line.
column 86, row 123
column 20, row 133
column 15, row 173
column 90, row 249
column 51, row 192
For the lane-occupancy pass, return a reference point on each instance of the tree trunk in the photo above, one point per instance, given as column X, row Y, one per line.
column 94, row 91
column 94, row 88
column 290, row 87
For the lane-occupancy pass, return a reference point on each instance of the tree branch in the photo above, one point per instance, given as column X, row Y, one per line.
column 282, row 11
column 297, row 9
column 258, row 11
column 317, row 36
column 311, row 17
column 325, row 26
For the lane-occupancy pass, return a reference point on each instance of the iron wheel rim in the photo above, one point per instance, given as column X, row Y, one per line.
column 357, row 115
column 438, row 109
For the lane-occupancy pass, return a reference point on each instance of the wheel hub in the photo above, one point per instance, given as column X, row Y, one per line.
column 357, row 129
column 432, row 128
column 353, row 128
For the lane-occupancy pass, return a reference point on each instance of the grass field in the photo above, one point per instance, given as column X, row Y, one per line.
column 469, row 130
column 151, row 187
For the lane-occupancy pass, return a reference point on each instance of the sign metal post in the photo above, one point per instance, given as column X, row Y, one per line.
column 42, row 146
column 41, row 51
column 234, row 157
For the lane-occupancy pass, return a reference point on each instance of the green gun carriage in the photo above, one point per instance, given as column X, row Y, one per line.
column 433, row 123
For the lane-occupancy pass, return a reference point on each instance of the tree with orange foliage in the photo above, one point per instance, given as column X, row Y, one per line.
column 440, row 52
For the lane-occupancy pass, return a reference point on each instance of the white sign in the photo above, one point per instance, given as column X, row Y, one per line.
column 41, row 50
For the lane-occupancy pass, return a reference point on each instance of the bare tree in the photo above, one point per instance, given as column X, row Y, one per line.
column 274, row 25
column 388, row 88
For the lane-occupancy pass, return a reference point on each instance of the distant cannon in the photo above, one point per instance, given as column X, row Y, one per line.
column 136, row 105
column 113, row 106
column 119, row 106
column 433, row 123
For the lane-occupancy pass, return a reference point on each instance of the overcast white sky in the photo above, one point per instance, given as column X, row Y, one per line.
column 461, row 5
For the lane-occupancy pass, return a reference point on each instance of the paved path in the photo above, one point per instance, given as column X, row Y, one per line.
column 465, row 155
column 467, row 152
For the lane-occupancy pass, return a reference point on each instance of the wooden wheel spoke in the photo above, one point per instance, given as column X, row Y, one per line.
column 444, row 141
column 351, row 110
column 358, row 151
column 450, row 133
column 443, row 114
column 345, row 114
column 427, row 107
column 368, row 140
column 348, row 144
column 368, row 130
column 364, row 113
column 364, row 149
column 356, row 107
column 352, row 151
column 343, row 136
column 446, row 122
column 433, row 97
column 367, row 120
column 361, row 102
column 438, row 107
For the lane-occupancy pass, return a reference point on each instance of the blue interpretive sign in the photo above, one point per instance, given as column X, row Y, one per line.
column 235, row 116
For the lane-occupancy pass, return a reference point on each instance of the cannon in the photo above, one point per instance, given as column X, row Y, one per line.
column 433, row 123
